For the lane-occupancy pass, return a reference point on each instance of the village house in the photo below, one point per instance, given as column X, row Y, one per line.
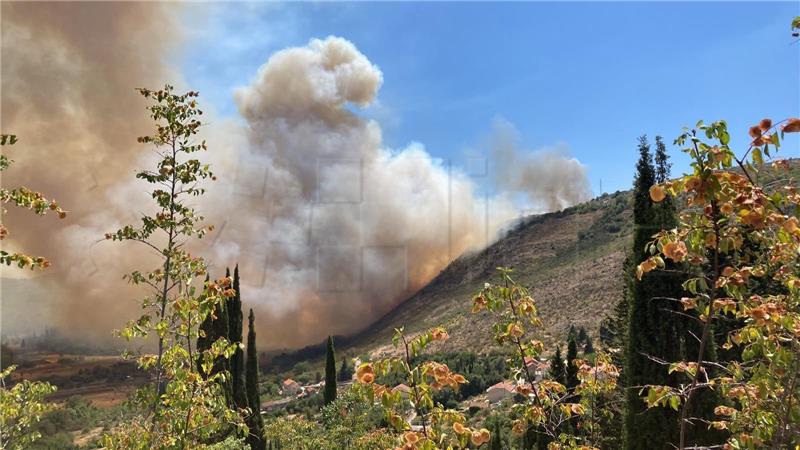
column 404, row 390
column 537, row 368
column 290, row 387
column 500, row 391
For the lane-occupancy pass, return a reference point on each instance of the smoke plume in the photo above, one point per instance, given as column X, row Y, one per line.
column 331, row 228
column 69, row 70
column 551, row 179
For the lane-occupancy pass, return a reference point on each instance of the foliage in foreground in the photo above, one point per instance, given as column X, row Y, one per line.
column 22, row 405
column 348, row 422
column 733, row 236
column 21, row 408
column 185, row 407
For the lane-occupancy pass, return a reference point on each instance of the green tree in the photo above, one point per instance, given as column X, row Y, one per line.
column 642, row 427
column 183, row 409
column 255, row 422
column 726, row 208
column 582, row 336
column 657, row 326
column 330, row 373
column 21, row 408
column 497, row 438
column 572, row 333
column 662, row 164
column 557, row 370
column 345, row 372
column 235, row 318
column 571, row 370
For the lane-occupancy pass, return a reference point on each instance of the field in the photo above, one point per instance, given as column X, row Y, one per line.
column 102, row 380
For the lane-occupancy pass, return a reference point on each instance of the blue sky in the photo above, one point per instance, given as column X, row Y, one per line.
column 592, row 76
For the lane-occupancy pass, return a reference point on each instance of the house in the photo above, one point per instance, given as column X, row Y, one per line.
column 290, row 387
column 537, row 368
column 404, row 390
column 500, row 391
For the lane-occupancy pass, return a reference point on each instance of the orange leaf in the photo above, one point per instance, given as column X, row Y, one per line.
column 792, row 126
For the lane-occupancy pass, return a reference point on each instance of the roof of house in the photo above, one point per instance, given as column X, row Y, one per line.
column 503, row 385
column 531, row 361
column 402, row 388
column 289, row 381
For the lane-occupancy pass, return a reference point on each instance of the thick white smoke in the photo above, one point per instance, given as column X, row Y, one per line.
column 331, row 228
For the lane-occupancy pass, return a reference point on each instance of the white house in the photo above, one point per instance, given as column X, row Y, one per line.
column 500, row 391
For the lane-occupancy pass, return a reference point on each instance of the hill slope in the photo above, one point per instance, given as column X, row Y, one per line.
column 571, row 260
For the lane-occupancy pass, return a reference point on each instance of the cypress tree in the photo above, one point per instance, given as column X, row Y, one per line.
column 663, row 166
column 655, row 329
column 557, row 372
column 215, row 326
column 582, row 336
column 643, row 427
column 235, row 337
column 572, row 333
column 255, row 422
column 571, row 370
column 220, row 328
column 344, row 374
column 496, row 442
column 330, row 373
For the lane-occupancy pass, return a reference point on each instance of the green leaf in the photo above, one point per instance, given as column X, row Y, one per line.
column 757, row 157
column 776, row 141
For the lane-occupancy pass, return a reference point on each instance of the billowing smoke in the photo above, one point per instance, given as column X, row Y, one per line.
column 551, row 179
column 69, row 70
column 331, row 228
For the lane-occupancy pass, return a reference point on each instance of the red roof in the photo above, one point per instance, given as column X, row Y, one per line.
column 289, row 381
column 531, row 361
column 505, row 385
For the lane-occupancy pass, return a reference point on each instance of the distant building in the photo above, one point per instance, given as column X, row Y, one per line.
column 290, row 387
column 500, row 391
column 537, row 368
column 404, row 390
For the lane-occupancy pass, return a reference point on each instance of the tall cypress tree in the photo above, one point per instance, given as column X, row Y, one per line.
column 255, row 422
column 330, row 373
column 214, row 327
column 235, row 336
column 644, row 427
column 655, row 327
column 663, row 166
column 572, row 370
column 557, row 372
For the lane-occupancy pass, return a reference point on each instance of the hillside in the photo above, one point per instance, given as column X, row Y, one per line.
column 571, row 260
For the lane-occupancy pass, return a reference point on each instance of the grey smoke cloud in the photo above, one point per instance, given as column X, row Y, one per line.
column 551, row 179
